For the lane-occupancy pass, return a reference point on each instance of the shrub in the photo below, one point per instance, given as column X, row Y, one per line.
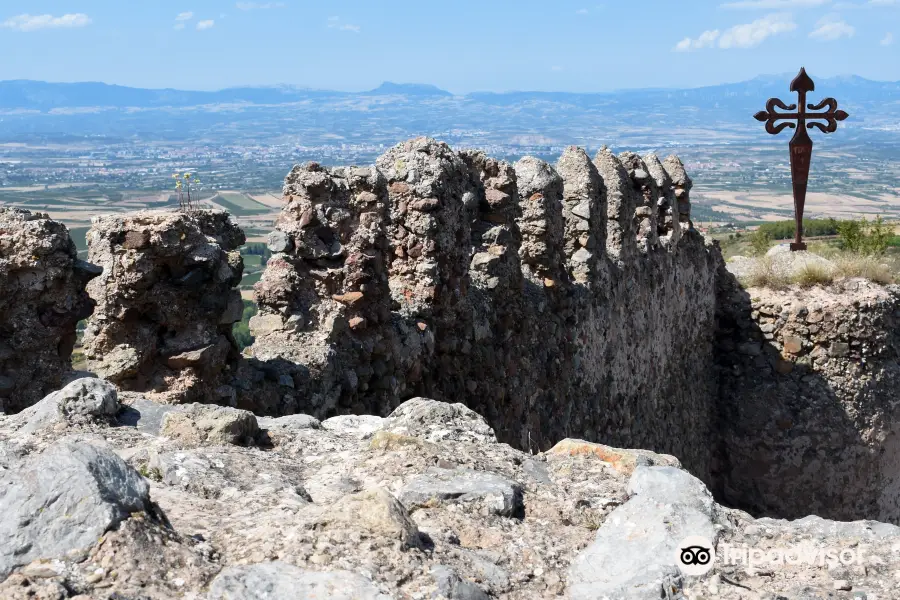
column 241, row 329
column 862, row 237
column 760, row 240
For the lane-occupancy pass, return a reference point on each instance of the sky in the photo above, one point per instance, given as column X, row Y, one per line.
column 461, row 45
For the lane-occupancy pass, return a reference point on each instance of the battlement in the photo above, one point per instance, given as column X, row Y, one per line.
column 565, row 300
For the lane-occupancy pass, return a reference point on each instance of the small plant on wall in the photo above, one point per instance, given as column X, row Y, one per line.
column 185, row 186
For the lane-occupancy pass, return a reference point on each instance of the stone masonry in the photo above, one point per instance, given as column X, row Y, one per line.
column 42, row 298
column 808, row 400
column 166, row 303
column 541, row 296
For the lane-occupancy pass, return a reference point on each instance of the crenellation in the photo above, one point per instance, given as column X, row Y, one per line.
column 667, row 204
column 489, row 265
column 494, row 209
column 646, row 196
column 42, row 298
column 541, row 221
column 584, row 212
column 621, row 246
column 166, row 301
column 683, row 184
column 429, row 228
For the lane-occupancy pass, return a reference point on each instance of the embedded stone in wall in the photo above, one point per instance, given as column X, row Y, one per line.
column 646, row 194
column 683, row 184
column 667, row 204
column 166, row 302
column 808, row 394
column 42, row 298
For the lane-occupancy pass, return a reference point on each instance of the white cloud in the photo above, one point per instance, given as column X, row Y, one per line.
column 581, row 11
column 35, row 22
column 259, row 5
column 775, row 4
column 179, row 25
column 204, row 25
column 185, row 16
column 706, row 40
column 335, row 23
column 752, row 34
column 887, row 40
column 831, row 28
column 556, row 68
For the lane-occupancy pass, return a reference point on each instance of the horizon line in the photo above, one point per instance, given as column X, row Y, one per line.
column 435, row 87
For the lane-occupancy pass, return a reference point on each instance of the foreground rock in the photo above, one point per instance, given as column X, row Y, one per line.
column 64, row 499
column 278, row 580
column 423, row 504
column 166, row 303
column 42, row 298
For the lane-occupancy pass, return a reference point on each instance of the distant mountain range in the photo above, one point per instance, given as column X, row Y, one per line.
column 44, row 96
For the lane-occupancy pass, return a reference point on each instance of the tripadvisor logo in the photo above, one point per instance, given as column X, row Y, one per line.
column 695, row 555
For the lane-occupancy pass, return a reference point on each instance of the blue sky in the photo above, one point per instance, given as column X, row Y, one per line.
column 461, row 45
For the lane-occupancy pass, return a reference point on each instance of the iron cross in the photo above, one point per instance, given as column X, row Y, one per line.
column 801, row 144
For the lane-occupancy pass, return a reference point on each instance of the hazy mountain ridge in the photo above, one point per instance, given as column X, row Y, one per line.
column 45, row 96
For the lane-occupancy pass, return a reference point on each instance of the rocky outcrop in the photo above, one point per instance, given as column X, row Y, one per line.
column 165, row 303
column 42, row 298
column 808, row 399
column 421, row 504
column 540, row 296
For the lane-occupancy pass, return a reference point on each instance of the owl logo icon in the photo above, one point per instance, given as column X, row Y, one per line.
column 695, row 555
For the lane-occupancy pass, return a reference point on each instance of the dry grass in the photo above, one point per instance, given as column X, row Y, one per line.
column 812, row 274
column 764, row 274
column 866, row 267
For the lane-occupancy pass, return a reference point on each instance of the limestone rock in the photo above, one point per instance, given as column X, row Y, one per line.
column 436, row 421
column 633, row 555
column 276, row 580
column 354, row 425
column 487, row 492
column 82, row 401
column 453, row 587
column 376, row 513
column 623, row 461
column 201, row 424
column 225, row 471
column 64, row 499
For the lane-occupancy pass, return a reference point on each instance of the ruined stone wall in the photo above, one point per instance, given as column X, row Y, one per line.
column 809, row 393
column 567, row 301
column 42, row 298
column 166, row 302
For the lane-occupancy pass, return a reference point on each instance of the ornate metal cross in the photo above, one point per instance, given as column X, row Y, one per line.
column 801, row 144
